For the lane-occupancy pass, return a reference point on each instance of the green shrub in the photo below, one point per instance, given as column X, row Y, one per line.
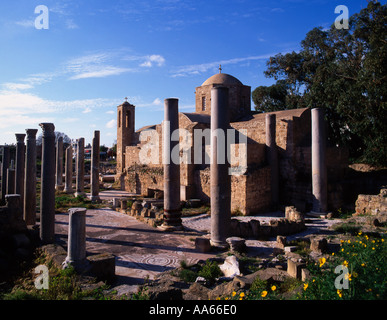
column 365, row 259
column 210, row 271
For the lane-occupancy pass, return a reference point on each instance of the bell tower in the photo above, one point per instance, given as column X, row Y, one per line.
column 125, row 131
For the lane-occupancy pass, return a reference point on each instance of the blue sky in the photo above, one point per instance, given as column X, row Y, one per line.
column 95, row 53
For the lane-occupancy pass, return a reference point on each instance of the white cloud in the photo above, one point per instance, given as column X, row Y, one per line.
column 94, row 66
column 111, row 124
column 100, row 73
column 27, row 23
column 110, row 112
column 87, row 110
column 157, row 102
column 16, row 86
column 153, row 59
column 204, row 67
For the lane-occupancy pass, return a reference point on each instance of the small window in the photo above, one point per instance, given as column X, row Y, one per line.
column 204, row 104
column 119, row 119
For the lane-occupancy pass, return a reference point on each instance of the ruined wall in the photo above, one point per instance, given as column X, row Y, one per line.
column 372, row 204
column 144, row 180
column 250, row 193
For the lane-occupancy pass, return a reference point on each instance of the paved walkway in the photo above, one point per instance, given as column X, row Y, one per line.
column 142, row 251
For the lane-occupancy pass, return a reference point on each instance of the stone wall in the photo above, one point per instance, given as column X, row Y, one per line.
column 144, row 180
column 253, row 228
column 372, row 204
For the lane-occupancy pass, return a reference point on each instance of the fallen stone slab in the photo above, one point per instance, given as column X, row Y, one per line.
column 230, row 267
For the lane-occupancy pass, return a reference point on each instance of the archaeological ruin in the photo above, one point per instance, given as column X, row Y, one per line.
column 257, row 177
column 276, row 159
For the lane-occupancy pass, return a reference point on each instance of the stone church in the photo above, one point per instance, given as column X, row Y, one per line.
column 251, row 192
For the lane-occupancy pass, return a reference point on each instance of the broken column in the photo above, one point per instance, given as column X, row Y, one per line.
column 80, row 168
column 220, row 178
column 272, row 157
column 76, row 247
column 59, row 164
column 4, row 168
column 20, row 167
column 319, row 169
column 30, row 178
column 94, row 179
column 69, row 170
column 172, row 208
column 47, row 197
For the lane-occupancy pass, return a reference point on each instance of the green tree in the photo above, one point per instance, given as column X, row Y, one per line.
column 343, row 71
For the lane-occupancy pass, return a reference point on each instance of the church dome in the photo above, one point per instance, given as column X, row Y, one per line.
column 222, row 78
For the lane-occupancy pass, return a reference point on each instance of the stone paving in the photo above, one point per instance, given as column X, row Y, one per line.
column 143, row 252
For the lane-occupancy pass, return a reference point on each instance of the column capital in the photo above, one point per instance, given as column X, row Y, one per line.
column 20, row 137
column 47, row 127
column 31, row 133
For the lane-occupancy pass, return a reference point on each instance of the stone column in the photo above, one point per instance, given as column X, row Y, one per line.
column 30, row 178
column 172, row 206
column 220, row 178
column 4, row 167
column 76, row 246
column 47, row 197
column 20, row 167
column 319, row 169
column 59, row 164
column 10, row 181
column 94, row 178
column 69, row 170
column 80, row 168
column 272, row 157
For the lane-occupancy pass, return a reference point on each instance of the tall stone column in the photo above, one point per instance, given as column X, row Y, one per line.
column 20, row 167
column 172, row 206
column 4, row 167
column 272, row 157
column 80, row 168
column 319, row 168
column 59, row 164
column 47, row 197
column 69, row 170
column 94, row 179
column 10, row 181
column 76, row 247
column 30, row 178
column 220, row 178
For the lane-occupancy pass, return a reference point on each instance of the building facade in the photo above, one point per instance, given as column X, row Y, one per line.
column 140, row 166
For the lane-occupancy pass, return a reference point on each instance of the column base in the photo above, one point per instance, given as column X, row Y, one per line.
column 68, row 190
column 95, row 199
column 166, row 227
column 219, row 245
column 79, row 266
